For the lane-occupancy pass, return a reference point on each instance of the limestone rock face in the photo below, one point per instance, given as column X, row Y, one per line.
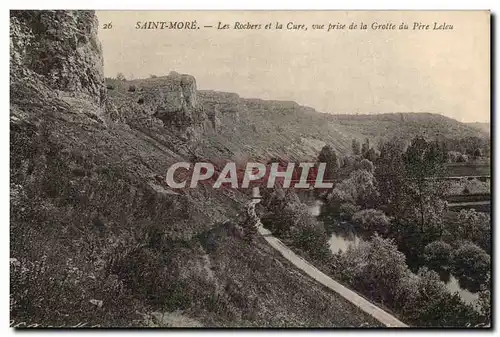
column 220, row 107
column 170, row 101
column 62, row 48
column 175, row 100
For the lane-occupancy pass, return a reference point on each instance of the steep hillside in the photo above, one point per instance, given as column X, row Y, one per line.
column 96, row 237
column 236, row 127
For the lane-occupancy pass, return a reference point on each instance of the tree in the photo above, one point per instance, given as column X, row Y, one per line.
column 375, row 268
column 372, row 221
column 347, row 210
column 427, row 302
column 328, row 156
column 371, row 155
column 293, row 221
column 473, row 226
column 309, row 235
column 120, row 77
column 478, row 153
column 390, row 175
column 367, row 165
column 471, row 263
column 484, row 300
column 280, row 218
column 424, row 164
column 437, row 255
column 356, row 147
column 359, row 189
column 365, row 148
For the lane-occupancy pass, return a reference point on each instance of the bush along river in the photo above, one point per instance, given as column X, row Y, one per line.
column 344, row 236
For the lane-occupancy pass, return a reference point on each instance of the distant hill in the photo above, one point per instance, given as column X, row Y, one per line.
column 263, row 128
column 484, row 127
column 407, row 125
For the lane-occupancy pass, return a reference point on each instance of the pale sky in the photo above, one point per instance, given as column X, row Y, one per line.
column 347, row 71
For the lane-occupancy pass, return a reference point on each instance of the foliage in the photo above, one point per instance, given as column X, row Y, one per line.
column 310, row 236
column 359, row 189
column 437, row 255
column 371, row 221
column 473, row 226
column 462, row 158
column 328, row 156
column 366, row 165
column 280, row 219
column 390, row 175
column 356, row 147
column 425, row 301
column 365, row 147
column 374, row 268
column 424, row 192
column 484, row 300
column 471, row 263
column 347, row 210
column 293, row 221
column 378, row 270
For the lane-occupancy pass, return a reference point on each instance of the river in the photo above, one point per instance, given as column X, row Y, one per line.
column 345, row 237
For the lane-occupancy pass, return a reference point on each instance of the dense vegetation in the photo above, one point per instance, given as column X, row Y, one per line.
column 397, row 203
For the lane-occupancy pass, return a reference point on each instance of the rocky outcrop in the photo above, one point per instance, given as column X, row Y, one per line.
column 220, row 108
column 61, row 48
column 167, row 100
column 175, row 100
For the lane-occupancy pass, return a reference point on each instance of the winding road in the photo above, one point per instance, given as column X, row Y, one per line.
column 368, row 307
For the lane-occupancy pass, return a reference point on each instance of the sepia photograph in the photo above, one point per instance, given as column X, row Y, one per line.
column 250, row 169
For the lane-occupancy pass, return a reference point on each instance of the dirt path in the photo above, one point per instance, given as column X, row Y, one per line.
column 368, row 307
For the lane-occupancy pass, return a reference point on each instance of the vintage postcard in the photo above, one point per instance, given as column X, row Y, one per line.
column 270, row 169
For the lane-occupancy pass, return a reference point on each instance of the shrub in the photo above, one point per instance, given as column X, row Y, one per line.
column 430, row 304
column 371, row 220
column 329, row 157
column 474, row 226
column 478, row 153
column 132, row 88
column 484, row 301
column 366, row 165
column 280, row 220
column 378, row 270
column 359, row 189
column 347, row 210
column 309, row 235
column 110, row 87
column 437, row 255
column 471, row 263
column 375, row 268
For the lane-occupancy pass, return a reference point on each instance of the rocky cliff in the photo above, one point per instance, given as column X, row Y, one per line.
column 60, row 46
column 167, row 101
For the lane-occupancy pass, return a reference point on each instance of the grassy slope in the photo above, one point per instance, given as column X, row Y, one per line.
column 89, row 222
